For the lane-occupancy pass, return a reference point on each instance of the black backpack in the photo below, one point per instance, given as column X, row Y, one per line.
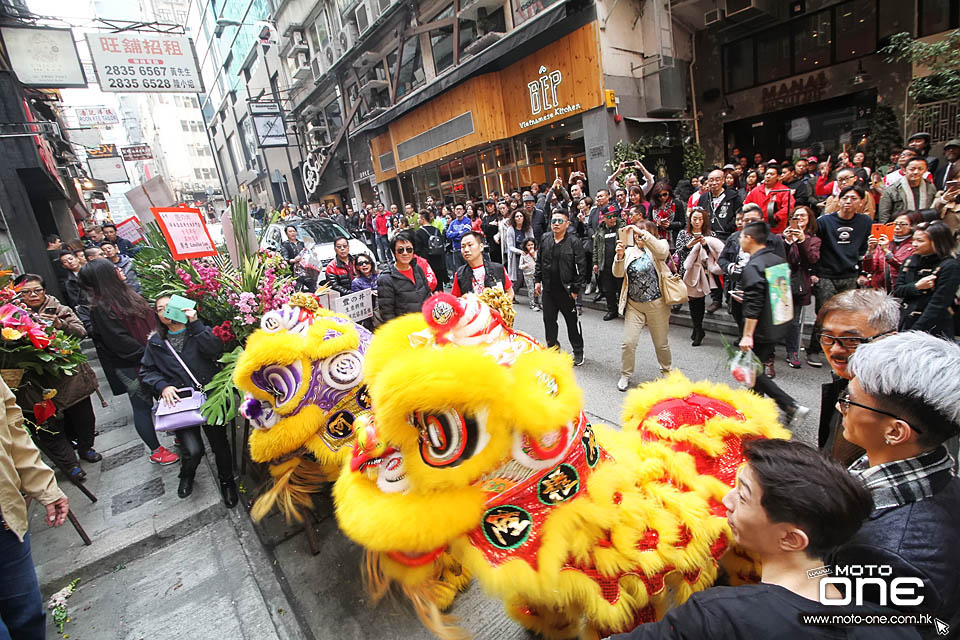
column 434, row 241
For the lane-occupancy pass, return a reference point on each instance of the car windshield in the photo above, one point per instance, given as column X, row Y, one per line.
column 321, row 231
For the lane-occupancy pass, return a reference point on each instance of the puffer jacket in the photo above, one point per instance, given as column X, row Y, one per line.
column 160, row 369
column 398, row 295
column 340, row 276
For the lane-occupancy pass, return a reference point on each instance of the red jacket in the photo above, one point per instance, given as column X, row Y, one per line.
column 883, row 270
column 381, row 223
column 784, row 204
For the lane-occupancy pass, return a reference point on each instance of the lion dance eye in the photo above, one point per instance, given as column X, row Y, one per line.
column 447, row 438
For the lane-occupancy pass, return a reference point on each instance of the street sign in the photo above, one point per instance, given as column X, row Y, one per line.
column 136, row 152
column 93, row 116
column 139, row 62
column 268, row 123
column 357, row 306
column 130, row 229
column 44, row 57
column 106, row 150
column 108, row 169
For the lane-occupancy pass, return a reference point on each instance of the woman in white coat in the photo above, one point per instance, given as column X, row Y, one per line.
column 643, row 267
column 698, row 250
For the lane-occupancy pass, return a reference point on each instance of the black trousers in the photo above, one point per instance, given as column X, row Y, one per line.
column 439, row 266
column 191, row 450
column 765, row 385
column 697, row 308
column 611, row 288
column 558, row 300
column 78, row 423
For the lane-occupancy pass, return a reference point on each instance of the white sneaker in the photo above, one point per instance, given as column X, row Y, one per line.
column 623, row 383
column 588, row 290
column 798, row 416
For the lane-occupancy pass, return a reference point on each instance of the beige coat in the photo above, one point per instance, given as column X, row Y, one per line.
column 699, row 267
column 21, row 469
column 658, row 249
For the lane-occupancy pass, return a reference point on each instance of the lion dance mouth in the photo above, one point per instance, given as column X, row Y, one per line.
column 478, row 460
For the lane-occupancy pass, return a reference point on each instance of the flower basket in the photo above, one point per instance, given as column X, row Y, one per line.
column 12, row 377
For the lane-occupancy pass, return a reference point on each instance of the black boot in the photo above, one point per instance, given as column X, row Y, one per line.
column 228, row 489
column 186, row 486
column 698, row 336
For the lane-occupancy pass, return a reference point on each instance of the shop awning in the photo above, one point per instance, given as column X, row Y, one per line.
column 517, row 44
column 650, row 120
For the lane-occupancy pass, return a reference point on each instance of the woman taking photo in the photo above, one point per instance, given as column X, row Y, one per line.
column 697, row 254
column 803, row 251
column 180, row 356
column 642, row 266
column 885, row 257
column 75, row 419
column 122, row 321
column 668, row 213
column 928, row 281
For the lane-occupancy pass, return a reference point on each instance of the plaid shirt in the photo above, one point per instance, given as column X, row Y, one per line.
column 901, row 482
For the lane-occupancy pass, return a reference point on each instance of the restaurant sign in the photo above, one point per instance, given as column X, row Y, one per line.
column 544, row 103
column 794, row 93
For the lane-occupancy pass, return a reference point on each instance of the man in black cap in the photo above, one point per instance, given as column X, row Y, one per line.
column 951, row 152
column 920, row 142
column 491, row 228
column 538, row 220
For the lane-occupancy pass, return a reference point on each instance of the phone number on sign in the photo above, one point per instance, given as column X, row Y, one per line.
column 133, row 83
column 132, row 70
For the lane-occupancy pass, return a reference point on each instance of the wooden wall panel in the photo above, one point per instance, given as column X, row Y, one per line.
column 501, row 101
column 378, row 146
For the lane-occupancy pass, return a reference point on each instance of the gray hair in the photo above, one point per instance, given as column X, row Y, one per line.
column 917, row 373
column 882, row 309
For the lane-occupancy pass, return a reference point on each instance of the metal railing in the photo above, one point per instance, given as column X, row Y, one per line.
column 940, row 119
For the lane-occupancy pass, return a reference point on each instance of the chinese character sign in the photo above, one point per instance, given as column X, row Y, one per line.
column 356, row 306
column 145, row 62
column 136, row 152
column 130, row 229
column 93, row 116
column 186, row 232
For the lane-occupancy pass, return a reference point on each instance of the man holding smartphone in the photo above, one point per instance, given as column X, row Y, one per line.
column 559, row 277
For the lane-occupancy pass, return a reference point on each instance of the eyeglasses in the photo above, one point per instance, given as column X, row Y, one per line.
column 557, row 220
column 31, row 292
column 844, row 402
column 404, row 250
column 849, row 342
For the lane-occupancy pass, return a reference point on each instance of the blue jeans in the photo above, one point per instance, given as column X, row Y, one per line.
column 21, row 605
column 142, row 406
column 384, row 247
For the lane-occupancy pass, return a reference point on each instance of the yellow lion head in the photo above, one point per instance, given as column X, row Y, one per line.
column 301, row 373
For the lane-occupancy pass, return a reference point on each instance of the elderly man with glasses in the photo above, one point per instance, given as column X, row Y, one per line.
column 901, row 406
column 849, row 320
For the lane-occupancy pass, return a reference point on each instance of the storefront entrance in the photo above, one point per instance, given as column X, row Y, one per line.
column 503, row 167
column 819, row 129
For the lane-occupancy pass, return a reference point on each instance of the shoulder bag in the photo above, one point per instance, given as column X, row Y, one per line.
column 186, row 412
column 672, row 288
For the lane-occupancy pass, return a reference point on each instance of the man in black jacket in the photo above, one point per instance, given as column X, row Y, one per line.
column 559, row 277
column 721, row 206
column 480, row 272
column 901, row 407
column 767, row 313
column 733, row 259
column 802, row 191
column 790, row 507
column 402, row 288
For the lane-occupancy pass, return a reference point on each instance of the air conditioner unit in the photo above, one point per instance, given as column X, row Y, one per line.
column 299, row 41
column 331, row 53
column 348, row 37
column 302, row 66
column 745, row 9
column 712, row 17
column 362, row 15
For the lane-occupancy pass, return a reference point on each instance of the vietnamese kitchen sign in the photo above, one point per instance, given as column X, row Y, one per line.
column 544, row 103
column 794, row 93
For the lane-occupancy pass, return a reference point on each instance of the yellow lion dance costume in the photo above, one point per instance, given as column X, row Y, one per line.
column 301, row 372
column 478, row 447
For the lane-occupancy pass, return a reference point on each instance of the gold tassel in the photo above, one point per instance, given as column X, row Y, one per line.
column 294, row 482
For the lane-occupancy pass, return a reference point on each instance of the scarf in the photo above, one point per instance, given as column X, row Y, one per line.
column 908, row 196
column 661, row 214
column 901, row 482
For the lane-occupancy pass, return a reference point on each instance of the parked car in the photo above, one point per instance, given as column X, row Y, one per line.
column 318, row 236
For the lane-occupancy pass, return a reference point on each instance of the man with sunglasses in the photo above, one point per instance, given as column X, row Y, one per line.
column 403, row 287
column 559, row 277
column 848, row 320
column 901, row 407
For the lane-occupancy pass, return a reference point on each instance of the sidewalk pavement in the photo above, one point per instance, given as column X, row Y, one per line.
column 159, row 566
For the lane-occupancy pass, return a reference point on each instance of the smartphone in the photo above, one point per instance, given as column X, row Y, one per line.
column 698, row 235
column 950, row 184
column 625, row 235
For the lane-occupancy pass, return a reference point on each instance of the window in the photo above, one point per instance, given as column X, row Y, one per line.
column 441, row 43
column 198, row 174
column 411, row 70
column 523, row 10
column 773, row 54
column 738, row 65
column 812, row 42
column 938, row 15
column 236, row 153
column 473, row 30
column 856, row 29
column 185, row 125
